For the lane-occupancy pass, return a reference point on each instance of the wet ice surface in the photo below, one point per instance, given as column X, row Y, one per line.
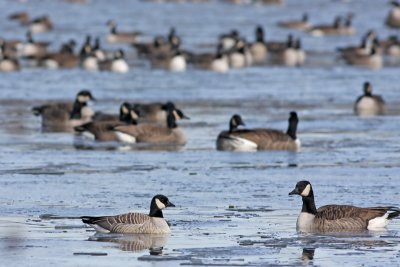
column 232, row 208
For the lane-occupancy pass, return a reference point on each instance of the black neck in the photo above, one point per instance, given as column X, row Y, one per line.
column 309, row 204
column 114, row 29
column 232, row 126
column 171, row 123
column 76, row 110
column 260, row 36
column 292, row 129
column 155, row 211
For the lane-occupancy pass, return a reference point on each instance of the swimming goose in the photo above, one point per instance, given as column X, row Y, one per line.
column 154, row 112
column 290, row 55
column 302, row 24
column 174, row 60
column 134, row 223
column 148, row 48
column 336, row 218
column 217, row 62
column 7, row 63
column 369, row 104
column 31, row 48
column 120, row 37
column 41, row 24
column 321, row 30
column 393, row 18
column 229, row 40
column 117, row 64
column 153, row 133
column 258, row 49
column 240, row 56
column 373, row 60
column 368, row 41
column 65, row 58
column 101, row 127
column 66, row 115
column 258, row 139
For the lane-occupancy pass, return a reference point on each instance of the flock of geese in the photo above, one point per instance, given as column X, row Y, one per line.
column 156, row 123
column 232, row 50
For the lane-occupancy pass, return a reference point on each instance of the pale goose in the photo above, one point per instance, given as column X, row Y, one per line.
column 302, row 24
column 65, row 115
column 153, row 133
column 40, row 24
column 258, row 139
column 393, row 18
column 134, row 223
column 120, row 37
column 101, row 128
column 337, row 218
column 258, row 49
column 369, row 104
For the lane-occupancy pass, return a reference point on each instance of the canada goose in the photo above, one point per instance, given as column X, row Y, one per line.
column 347, row 28
column 240, row 56
column 153, row 133
column 290, row 55
column 174, row 61
column 86, row 47
column 258, row 139
column 120, row 37
column 89, row 61
column 258, row 49
column 270, row 2
column 148, row 48
column 372, row 60
column 335, row 218
column 321, row 30
column 41, row 24
column 369, row 104
column 31, row 48
column 393, row 18
column 65, row 58
column 229, row 40
column 134, row 223
column 66, row 115
column 367, row 42
column 302, row 24
column 301, row 54
column 217, row 62
column 117, row 64
column 101, row 128
column 7, row 63
column 22, row 17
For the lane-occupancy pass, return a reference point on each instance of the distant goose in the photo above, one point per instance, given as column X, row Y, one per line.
column 117, row 64
column 134, row 223
column 321, row 30
column 302, row 24
column 393, row 18
column 258, row 49
column 41, row 24
column 258, row 139
column 153, row 133
column 22, row 17
column 240, row 56
column 7, row 63
column 31, row 48
column 369, row 104
column 65, row 58
column 101, row 128
column 372, row 60
column 368, row 41
column 217, row 62
column 173, row 60
column 120, row 37
column 229, row 40
column 336, row 218
column 65, row 115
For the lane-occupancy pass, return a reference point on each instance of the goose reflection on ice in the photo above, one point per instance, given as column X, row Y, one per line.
column 308, row 255
column 134, row 242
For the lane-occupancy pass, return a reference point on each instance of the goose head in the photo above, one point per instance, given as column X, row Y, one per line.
column 235, row 121
column 303, row 188
column 84, row 96
column 367, row 89
column 158, row 203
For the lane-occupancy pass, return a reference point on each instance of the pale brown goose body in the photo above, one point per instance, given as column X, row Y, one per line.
column 369, row 104
column 258, row 138
column 302, row 24
column 393, row 18
column 135, row 223
column 337, row 218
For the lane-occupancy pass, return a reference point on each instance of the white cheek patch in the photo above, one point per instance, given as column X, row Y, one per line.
column 306, row 191
column 134, row 115
column 176, row 115
column 125, row 110
column 83, row 99
column 234, row 122
column 159, row 204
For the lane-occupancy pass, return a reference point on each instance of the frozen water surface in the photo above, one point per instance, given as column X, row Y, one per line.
column 232, row 209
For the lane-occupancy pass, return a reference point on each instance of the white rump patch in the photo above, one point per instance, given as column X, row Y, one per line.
column 306, row 191
column 178, row 63
column 159, row 204
column 235, row 143
column 379, row 222
column 120, row 66
column 126, row 138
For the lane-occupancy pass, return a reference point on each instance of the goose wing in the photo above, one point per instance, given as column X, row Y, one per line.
column 335, row 212
column 111, row 223
column 265, row 138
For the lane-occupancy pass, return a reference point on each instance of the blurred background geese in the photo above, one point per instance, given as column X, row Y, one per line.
column 7, row 63
column 154, row 112
column 302, row 24
column 369, row 104
column 335, row 218
column 120, row 37
column 152, row 133
column 134, row 223
column 40, row 24
column 116, row 64
column 258, row 49
column 258, row 139
column 63, row 116
column 393, row 18
column 322, row 30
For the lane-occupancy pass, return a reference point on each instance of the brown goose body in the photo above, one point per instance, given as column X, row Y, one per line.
column 369, row 104
column 259, row 138
column 302, row 24
column 338, row 218
column 134, row 223
column 393, row 18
